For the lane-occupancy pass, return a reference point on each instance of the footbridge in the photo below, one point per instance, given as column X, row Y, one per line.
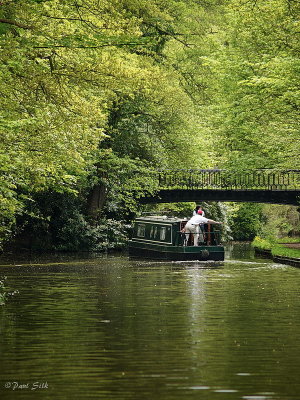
column 260, row 185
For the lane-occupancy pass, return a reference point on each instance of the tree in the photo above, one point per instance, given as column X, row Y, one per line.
column 96, row 93
column 257, row 75
column 86, row 88
column 246, row 222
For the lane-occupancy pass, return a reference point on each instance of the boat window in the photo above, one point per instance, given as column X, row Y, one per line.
column 141, row 230
column 153, row 232
column 162, row 234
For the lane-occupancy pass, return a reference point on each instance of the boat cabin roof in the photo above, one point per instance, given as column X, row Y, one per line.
column 159, row 219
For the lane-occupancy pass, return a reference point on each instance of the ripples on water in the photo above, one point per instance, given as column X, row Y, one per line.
column 113, row 328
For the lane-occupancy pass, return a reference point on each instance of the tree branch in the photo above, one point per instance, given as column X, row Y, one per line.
column 15, row 23
column 89, row 47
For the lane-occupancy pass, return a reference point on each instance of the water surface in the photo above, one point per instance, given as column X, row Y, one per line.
column 108, row 327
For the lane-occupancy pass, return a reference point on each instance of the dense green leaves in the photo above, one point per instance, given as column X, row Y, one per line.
column 80, row 77
column 247, row 221
column 258, row 84
column 97, row 92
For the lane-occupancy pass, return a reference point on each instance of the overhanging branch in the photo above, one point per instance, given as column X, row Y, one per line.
column 15, row 23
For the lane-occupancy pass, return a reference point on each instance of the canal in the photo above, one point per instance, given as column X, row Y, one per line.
column 110, row 328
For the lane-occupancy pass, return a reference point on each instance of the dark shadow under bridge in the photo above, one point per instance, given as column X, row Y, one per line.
column 261, row 186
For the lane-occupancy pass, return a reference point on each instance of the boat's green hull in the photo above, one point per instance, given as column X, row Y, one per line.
column 175, row 253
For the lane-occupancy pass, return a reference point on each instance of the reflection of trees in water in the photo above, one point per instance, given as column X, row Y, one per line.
column 239, row 251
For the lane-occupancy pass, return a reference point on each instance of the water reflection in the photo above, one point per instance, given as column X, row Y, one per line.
column 112, row 328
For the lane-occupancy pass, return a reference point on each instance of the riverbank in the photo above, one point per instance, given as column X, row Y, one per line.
column 285, row 250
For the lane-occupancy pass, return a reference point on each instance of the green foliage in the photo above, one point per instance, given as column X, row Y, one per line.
column 218, row 211
column 181, row 210
column 277, row 249
column 97, row 92
column 262, row 244
column 58, row 221
column 78, row 234
column 257, row 69
column 246, row 221
column 287, row 239
column 77, row 81
column 279, row 220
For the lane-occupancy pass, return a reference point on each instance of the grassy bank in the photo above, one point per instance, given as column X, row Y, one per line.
column 278, row 247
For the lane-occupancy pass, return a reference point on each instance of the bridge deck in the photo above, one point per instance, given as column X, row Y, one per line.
column 263, row 186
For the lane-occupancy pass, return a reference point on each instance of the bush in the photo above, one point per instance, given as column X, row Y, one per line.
column 247, row 221
column 78, row 234
column 276, row 248
column 57, row 221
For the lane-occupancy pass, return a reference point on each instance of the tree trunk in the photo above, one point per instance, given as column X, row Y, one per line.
column 96, row 200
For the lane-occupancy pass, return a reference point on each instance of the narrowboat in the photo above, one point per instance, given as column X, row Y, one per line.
column 162, row 237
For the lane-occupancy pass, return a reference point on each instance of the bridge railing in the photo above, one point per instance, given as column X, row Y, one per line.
column 262, row 179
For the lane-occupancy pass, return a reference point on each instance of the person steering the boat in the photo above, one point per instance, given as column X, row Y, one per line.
column 193, row 227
